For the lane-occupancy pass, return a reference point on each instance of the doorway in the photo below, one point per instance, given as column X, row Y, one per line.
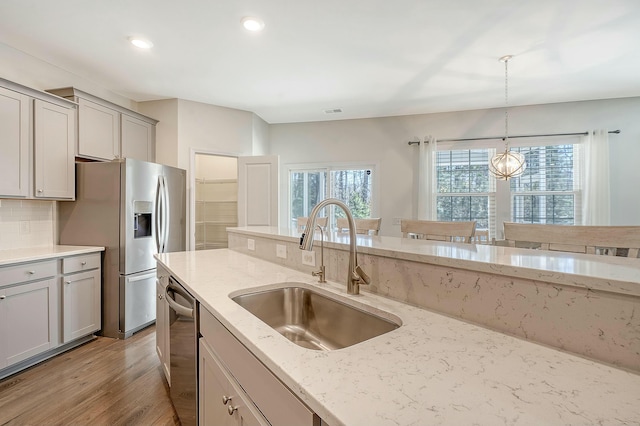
column 216, row 199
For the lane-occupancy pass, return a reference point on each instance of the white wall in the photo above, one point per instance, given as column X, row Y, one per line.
column 166, row 111
column 384, row 140
column 29, row 71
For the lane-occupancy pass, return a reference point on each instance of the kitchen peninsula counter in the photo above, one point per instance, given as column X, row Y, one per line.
column 607, row 273
column 432, row 370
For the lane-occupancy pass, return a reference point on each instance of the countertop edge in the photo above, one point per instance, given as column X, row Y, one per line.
column 34, row 254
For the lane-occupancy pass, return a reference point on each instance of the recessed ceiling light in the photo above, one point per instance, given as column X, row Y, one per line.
column 141, row 42
column 252, row 24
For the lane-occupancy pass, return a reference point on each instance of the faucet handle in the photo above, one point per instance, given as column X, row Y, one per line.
column 362, row 275
column 302, row 240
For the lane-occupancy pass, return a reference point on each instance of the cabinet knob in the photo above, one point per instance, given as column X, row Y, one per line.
column 160, row 297
column 3, row 297
column 40, row 191
column 31, row 272
column 231, row 409
column 83, row 263
column 225, row 399
column 67, row 282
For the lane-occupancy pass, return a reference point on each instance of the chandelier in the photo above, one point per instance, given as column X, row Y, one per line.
column 507, row 164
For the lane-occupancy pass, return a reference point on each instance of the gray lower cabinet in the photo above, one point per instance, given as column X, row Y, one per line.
column 222, row 401
column 28, row 314
column 81, row 296
column 234, row 384
column 47, row 307
column 162, row 322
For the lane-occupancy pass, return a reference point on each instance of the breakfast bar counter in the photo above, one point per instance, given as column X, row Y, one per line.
column 434, row 369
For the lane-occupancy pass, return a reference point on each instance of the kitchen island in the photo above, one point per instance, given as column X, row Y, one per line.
column 434, row 369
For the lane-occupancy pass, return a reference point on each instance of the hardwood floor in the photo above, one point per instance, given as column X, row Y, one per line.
column 104, row 382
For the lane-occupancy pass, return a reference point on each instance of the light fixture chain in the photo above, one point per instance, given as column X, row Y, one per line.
column 506, row 102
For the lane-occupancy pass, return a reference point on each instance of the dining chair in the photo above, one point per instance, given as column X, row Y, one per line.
column 302, row 222
column 368, row 226
column 481, row 236
column 605, row 240
column 440, row 231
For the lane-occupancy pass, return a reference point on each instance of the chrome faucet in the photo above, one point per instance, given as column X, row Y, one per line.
column 355, row 274
column 321, row 272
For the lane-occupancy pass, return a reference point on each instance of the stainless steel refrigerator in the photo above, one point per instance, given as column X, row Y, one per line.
column 134, row 209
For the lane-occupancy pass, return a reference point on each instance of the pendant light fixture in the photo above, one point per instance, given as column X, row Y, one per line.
column 507, row 164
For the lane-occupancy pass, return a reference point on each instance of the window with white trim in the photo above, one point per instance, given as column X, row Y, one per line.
column 352, row 184
column 547, row 192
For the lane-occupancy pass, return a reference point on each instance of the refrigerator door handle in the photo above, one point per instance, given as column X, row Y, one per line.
column 158, row 221
column 165, row 215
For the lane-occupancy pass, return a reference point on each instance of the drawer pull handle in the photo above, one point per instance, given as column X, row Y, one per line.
column 231, row 409
column 31, row 272
column 225, row 399
column 83, row 263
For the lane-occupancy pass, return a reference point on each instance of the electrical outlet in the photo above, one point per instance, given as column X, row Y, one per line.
column 25, row 227
column 281, row 251
column 308, row 258
column 396, row 220
column 251, row 244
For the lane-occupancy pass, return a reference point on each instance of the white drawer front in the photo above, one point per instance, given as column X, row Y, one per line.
column 83, row 262
column 28, row 272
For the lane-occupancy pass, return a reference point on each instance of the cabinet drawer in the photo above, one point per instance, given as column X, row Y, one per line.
column 84, row 262
column 28, row 272
column 278, row 404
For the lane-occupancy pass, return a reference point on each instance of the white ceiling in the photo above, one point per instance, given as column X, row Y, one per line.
column 371, row 58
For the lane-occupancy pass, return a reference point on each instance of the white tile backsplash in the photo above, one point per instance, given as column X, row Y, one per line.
column 26, row 223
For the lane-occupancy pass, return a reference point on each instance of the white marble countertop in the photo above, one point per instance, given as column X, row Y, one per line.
column 32, row 254
column 609, row 273
column 432, row 370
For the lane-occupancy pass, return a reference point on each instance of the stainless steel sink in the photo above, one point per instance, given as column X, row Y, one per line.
column 313, row 320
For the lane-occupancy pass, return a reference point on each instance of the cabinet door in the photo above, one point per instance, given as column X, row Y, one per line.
column 54, row 136
column 98, row 131
column 212, row 388
column 14, row 144
column 137, row 138
column 80, row 305
column 162, row 326
column 28, row 320
column 221, row 401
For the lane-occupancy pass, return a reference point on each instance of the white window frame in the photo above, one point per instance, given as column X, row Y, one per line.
column 329, row 167
column 503, row 197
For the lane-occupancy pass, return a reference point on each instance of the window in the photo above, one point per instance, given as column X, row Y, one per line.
column 351, row 184
column 463, row 186
column 547, row 192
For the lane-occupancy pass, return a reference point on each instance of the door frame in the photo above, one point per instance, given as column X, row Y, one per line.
column 191, row 241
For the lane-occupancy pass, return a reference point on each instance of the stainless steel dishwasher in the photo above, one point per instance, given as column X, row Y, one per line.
column 183, row 341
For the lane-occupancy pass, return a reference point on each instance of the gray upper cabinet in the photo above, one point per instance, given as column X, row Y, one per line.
column 107, row 131
column 98, row 131
column 138, row 138
column 37, row 135
column 14, row 144
column 54, row 137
